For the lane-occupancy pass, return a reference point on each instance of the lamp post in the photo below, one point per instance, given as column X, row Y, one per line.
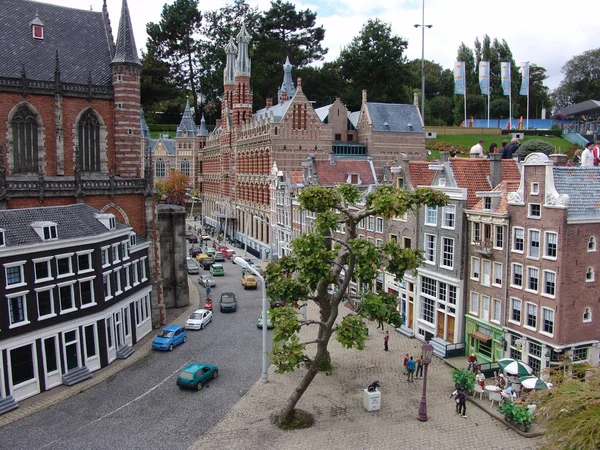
column 427, row 350
column 422, row 25
column 265, row 357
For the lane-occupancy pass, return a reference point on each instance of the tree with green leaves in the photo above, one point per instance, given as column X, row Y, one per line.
column 156, row 85
column 582, row 79
column 174, row 39
column 375, row 60
column 324, row 258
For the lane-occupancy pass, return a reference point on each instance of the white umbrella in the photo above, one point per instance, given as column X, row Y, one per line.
column 514, row 367
column 533, row 382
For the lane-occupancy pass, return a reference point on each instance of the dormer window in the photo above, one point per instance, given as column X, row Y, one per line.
column 108, row 220
column 487, row 203
column 45, row 230
column 132, row 240
column 2, row 238
column 353, row 178
column 37, row 28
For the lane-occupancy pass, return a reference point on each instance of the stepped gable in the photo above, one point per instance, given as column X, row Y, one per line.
column 502, row 206
column 79, row 36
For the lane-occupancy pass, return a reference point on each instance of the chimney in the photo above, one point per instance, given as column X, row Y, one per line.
column 364, row 96
column 495, row 169
column 444, row 156
column 269, row 102
column 559, row 159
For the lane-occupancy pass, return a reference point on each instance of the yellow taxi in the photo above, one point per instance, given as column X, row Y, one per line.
column 249, row 281
column 201, row 256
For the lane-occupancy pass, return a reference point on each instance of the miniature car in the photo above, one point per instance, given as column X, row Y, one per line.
column 193, row 376
column 170, row 337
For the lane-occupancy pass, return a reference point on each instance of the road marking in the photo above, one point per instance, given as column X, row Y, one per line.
column 118, row 409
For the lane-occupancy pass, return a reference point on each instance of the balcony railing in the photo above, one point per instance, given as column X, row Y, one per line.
column 483, row 247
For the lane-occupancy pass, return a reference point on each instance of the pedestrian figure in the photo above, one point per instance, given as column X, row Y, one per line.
column 410, row 368
column 386, row 339
column 404, row 364
column 419, row 373
column 207, row 291
column 454, row 396
column 461, row 398
column 380, row 325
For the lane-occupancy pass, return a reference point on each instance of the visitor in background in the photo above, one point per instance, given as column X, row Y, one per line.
column 477, row 150
column 576, row 160
column 493, row 148
column 510, row 151
column 587, row 157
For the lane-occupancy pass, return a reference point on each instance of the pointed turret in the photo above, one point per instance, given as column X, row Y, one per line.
column 187, row 126
column 125, row 51
column 145, row 131
column 202, row 131
column 287, row 90
column 229, row 71
column 242, row 63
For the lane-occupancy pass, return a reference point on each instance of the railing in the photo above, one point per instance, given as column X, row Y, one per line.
column 453, row 350
column 483, row 247
column 488, row 369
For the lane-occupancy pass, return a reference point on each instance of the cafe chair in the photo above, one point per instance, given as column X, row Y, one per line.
column 495, row 397
column 478, row 390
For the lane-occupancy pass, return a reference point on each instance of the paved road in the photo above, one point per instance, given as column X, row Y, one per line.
column 141, row 407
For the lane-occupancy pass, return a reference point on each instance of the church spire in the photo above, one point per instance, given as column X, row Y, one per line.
column 287, row 90
column 229, row 71
column 187, row 126
column 242, row 63
column 125, row 51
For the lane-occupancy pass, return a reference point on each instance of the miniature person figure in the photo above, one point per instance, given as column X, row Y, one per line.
column 461, row 398
column 410, row 368
column 404, row 363
column 386, row 339
column 454, row 396
column 419, row 373
column 472, row 361
column 480, row 378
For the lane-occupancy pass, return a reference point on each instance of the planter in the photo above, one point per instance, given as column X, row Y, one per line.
column 520, row 426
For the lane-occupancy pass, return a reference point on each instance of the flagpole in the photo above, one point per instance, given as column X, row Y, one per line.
column 465, row 99
column 488, row 106
column 528, row 100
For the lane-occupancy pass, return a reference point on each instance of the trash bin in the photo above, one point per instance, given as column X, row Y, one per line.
column 372, row 400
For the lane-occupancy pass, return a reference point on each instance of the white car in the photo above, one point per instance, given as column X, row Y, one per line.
column 198, row 319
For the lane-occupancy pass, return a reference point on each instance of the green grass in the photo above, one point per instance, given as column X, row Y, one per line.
column 468, row 141
column 156, row 134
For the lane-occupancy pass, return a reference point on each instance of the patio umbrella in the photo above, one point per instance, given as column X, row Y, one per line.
column 514, row 367
column 533, row 382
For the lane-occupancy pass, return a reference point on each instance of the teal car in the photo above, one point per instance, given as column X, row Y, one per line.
column 259, row 322
column 194, row 375
column 217, row 270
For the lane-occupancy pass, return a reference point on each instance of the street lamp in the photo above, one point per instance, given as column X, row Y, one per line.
column 422, row 25
column 427, row 351
column 265, row 357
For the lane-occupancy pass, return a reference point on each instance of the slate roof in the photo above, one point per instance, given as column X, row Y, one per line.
column 329, row 174
column 420, row 174
column 323, row 112
column 144, row 126
column 80, row 37
column 394, row 117
column 582, row 185
column 125, row 51
column 187, row 122
column 278, row 111
column 502, row 206
column 170, row 145
column 72, row 222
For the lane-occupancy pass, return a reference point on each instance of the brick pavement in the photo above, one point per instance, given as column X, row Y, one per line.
column 342, row 422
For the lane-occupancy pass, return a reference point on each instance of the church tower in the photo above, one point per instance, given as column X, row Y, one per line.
column 242, row 97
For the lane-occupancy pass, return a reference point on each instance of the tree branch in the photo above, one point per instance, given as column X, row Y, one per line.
column 316, row 341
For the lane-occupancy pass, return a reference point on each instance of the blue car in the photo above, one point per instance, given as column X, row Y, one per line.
column 195, row 375
column 169, row 337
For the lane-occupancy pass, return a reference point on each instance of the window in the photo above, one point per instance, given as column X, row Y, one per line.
column 127, row 280
column 589, row 274
column 430, row 243
column 25, row 142
column 550, row 251
column 89, row 142
column 497, row 280
column 474, row 306
column 407, row 242
column 379, row 228
column 497, row 310
column 185, row 167
column 515, row 315
column 106, row 286
column 45, row 303
column 63, row 266
column 487, row 203
column 485, row 308
column 431, row 215
column 476, row 232
column 499, row 237
column 517, row 275
column 535, row 356
column 534, row 244
column 115, row 253
column 580, row 354
column 2, row 238
column 135, row 273
column 531, row 321
column 84, row 262
column 487, row 272
column 142, row 268
column 116, row 281
column 587, row 315
column 66, row 298
column 549, row 283
column 105, row 256
column 14, row 274
column 429, row 286
column 17, row 309
column 515, row 347
column 160, row 168
column 448, row 253
column 378, row 243
column 449, row 216
column 548, row 325
column 42, row 270
column 132, row 240
column 591, row 246
column 535, row 211
column 475, row 268
column 21, row 364
column 427, row 309
column 49, row 232
column 533, row 276
column 452, row 294
column 393, row 238
column 518, row 239
column 86, row 290
column 535, row 188
column 370, row 223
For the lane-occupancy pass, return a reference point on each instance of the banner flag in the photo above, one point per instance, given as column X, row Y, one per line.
column 525, row 78
column 484, row 77
column 459, row 78
column 505, row 76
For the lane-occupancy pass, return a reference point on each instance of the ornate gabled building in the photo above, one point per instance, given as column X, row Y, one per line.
column 70, row 124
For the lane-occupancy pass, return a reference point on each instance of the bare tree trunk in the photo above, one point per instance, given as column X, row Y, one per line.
column 287, row 412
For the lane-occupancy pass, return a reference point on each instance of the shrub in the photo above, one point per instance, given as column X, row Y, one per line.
column 520, row 415
column 464, row 378
column 535, row 146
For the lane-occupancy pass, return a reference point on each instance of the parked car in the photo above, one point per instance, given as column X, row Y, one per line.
column 194, row 251
column 200, row 256
column 210, row 252
column 228, row 303
column 206, row 281
column 219, row 256
column 249, row 281
column 193, row 239
column 192, row 266
column 277, row 303
column 205, row 237
column 259, row 322
column 229, row 253
column 198, row 319
column 194, row 375
column 217, row 270
column 170, row 336
column 207, row 262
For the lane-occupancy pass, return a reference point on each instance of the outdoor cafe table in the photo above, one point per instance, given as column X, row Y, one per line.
column 492, row 388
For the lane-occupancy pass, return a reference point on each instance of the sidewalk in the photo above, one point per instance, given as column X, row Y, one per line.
column 341, row 421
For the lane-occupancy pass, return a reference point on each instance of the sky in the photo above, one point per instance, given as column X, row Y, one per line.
column 544, row 32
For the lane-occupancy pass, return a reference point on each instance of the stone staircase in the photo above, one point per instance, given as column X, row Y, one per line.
column 76, row 376
column 439, row 347
column 124, row 352
column 408, row 332
column 7, row 404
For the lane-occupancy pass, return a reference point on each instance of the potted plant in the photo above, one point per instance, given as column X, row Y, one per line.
column 520, row 416
column 464, row 378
